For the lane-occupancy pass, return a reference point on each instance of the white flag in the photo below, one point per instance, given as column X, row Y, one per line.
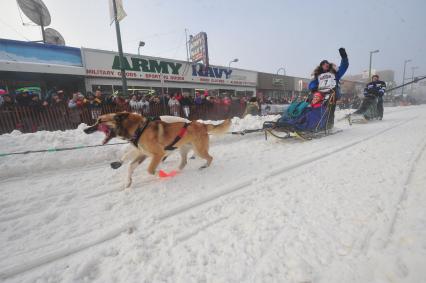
column 120, row 10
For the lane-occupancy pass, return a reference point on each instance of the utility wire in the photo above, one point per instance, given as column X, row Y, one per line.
column 15, row 30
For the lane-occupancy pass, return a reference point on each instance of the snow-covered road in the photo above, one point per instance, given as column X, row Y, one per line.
column 345, row 208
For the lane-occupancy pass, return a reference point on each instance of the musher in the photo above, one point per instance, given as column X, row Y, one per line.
column 373, row 96
column 326, row 82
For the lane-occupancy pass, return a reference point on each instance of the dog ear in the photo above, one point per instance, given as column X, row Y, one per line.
column 120, row 117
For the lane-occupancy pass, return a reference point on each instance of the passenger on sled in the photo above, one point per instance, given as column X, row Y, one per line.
column 304, row 116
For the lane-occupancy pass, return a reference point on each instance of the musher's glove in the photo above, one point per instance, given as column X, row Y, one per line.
column 342, row 52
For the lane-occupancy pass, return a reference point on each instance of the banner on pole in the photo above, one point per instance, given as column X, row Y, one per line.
column 121, row 14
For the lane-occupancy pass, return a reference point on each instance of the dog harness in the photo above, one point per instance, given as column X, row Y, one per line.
column 139, row 131
column 180, row 135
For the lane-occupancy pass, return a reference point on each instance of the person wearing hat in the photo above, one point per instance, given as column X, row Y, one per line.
column 373, row 99
column 377, row 88
column 23, row 99
column 2, row 92
column 252, row 107
column 326, row 81
column 8, row 103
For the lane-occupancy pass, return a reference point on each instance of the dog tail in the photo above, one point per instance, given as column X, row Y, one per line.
column 219, row 129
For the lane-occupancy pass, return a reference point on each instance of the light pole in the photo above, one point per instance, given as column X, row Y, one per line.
column 403, row 76
column 141, row 44
column 229, row 67
column 232, row 61
column 371, row 58
column 283, row 69
column 120, row 50
column 412, row 78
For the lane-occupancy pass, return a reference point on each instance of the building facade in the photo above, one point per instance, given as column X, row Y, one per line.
column 152, row 74
column 40, row 67
column 281, row 87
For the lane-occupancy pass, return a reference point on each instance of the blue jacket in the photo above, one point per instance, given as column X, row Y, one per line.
column 344, row 64
column 312, row 119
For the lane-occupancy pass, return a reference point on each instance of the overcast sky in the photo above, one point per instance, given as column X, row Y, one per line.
column 264, row 35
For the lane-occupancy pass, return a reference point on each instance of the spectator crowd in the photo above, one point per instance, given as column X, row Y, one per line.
column 177, row 104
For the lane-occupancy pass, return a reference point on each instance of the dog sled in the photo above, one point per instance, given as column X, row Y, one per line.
column 367, row 111
column 303, row 120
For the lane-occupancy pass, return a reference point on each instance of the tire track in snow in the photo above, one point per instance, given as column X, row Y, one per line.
column 404, row 192
column 39, row 209
column 249, row 277
column 27, row 265
column 246, row 183
column 14, row 270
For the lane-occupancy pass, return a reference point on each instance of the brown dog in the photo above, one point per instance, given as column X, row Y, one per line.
column 156, row 138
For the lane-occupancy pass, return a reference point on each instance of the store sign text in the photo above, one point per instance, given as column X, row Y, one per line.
column 212, row 72
column 148, row 66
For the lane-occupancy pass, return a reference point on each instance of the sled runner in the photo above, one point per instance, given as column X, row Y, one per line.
column 272, row 129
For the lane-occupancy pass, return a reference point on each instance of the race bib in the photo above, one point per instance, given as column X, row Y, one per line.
column 326, row 81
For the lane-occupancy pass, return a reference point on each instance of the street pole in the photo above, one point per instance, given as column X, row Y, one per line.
column 371, row 59
column 186, row 42
column 412, row 78
column 232, row 61
column 282, row 68
column 403, row 76
column 369, row 68
column 229, row 67
column 141, row 44
column 120, row 50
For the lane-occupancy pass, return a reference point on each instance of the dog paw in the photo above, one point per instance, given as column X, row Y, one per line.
column 116, row 164
column 128, row 183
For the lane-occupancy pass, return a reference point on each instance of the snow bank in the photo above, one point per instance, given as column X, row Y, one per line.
column 251, row 122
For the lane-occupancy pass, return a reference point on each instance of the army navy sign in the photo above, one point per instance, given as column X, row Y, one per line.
column 107, row 64
column 198, row 48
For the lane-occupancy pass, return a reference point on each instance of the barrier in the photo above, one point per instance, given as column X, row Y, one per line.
column 53, row 118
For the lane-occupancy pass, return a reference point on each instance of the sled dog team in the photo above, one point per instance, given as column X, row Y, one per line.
column 157, row 138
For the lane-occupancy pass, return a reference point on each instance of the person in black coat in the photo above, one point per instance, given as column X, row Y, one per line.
column 8, row 103
column 23, row 99
column 373, row 92
column 186, row 103
column 376, row 88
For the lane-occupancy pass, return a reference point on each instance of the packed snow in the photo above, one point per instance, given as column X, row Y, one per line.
column 344, row 208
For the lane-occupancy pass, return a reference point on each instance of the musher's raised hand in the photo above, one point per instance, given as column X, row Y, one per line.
column 342, row 52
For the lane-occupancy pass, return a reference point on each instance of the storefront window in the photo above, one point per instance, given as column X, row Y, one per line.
column 189, row 91
column 158, row 90
column 226, row 92
column 118, row 89
column 173, row 91
column 105, row 89
column 43, row 85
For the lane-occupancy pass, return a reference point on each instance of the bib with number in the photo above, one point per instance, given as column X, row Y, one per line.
column 326, row 81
